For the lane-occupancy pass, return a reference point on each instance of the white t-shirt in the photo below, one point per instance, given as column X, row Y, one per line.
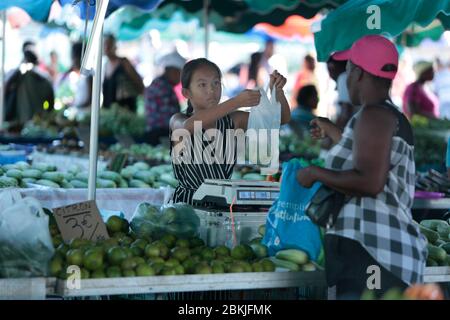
column 341, row 86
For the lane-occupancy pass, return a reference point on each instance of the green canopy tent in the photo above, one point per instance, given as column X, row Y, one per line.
column 356, row 18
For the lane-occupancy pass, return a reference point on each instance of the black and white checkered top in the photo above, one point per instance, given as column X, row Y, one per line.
column 383, row 225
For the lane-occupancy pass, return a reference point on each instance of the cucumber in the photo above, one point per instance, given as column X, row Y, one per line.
column 433, row 224
column 128, row 172
column 436, row 253
column 138, row 184
column 22, row 165
column 431, row 263
column 23, row 184
column 14, row 173
column 68, row 176
column 123, row 183
column 446, row 247
column 47, row 183
column 443, row 231
column 118, row 162
column 82, row 176
column 432, row 236
column 293, row 255
column 57, row 177
column 79, row 184
column 105, row 184
column 7, row 167
column 309, row 267
column 169, row 179
column 29, row 180
column 285, row 264
column 31, row 173
column 145, row 176
column 66, row 184
column 110, row 175
column 440, row 242
column 141, row 166
column 43, row 167
column 7, row 182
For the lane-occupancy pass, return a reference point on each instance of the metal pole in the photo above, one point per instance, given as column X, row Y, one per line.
column 95, row 110
column 2, row 69
column 206, row 25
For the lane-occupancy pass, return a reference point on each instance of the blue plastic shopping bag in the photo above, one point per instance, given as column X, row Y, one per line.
column 287, row 225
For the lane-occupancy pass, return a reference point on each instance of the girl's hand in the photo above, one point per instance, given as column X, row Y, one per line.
column 248, row 98
column 306, row 176
column 277, row 80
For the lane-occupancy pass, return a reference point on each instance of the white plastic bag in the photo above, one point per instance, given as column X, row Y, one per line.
column 263, row 133
column 25, row 242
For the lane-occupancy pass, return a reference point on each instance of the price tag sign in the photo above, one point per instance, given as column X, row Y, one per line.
column 81, row 221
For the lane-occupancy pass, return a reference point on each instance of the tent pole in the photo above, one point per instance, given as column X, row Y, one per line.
column 95, row 110
column 206, row 25
column 2, row 69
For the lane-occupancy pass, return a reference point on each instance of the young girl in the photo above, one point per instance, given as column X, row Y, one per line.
column 201, row 83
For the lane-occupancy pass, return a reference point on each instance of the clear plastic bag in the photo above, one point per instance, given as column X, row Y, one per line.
column 263, row 132
column 153, row 221
column 25, row 242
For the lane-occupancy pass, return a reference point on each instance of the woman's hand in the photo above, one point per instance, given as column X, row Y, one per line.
column 307, row 177
column 277, row 80
column 248, row 98
column 323, row 127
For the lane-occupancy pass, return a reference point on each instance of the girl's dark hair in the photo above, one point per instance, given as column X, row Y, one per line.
column 188, row 71
column 255, row 60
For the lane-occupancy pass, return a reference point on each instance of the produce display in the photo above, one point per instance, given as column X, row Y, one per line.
column 139, row 175
column 305, row 147
column 437, row 233
column 144, row 152
column 430, row 143
column 126, row 254
column 116, row 121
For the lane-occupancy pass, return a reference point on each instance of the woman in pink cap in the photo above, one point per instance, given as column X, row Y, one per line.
column 374, row 243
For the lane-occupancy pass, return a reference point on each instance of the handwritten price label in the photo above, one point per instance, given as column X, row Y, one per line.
column 81, row 221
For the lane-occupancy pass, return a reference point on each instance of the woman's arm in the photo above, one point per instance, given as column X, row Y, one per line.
column 371, row 157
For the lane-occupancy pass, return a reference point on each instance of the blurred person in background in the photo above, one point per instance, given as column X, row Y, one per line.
column 418, row 99
column 28, row 91
column 75, row 84
column 255, row 72
column 55, row 68
column 121, row 84
column 161, row 101
column 442, row 88
column 303, row 113
column 305, row 76
column 345, row 110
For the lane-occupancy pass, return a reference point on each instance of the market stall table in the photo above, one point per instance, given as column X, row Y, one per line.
column 192, row 283
column 27, row 288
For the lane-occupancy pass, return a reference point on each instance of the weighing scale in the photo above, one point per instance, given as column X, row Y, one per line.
column 224, row 193
column 220, row 203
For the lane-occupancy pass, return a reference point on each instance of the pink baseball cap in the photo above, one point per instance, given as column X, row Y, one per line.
column 371, row 53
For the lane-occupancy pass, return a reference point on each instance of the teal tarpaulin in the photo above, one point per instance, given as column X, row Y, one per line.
column 357, row 18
